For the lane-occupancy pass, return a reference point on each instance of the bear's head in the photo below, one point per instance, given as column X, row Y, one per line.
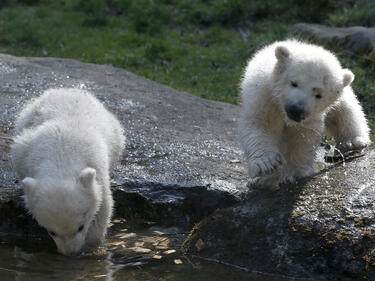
column 307, row 81
column 65, row 208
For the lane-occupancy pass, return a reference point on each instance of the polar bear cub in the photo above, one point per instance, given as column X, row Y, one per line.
column 66, row 144
column 293, row 92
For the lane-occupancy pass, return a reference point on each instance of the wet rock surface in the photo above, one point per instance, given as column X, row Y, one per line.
column 321, row 229
column 176, row 167
column 356, row 39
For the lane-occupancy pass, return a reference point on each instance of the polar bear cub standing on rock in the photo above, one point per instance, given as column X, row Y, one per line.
column 291, row 93
column 65, row 146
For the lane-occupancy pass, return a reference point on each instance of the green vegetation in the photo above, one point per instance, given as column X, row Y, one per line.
column 187, row 45
column 359, row 14
column 193, row 45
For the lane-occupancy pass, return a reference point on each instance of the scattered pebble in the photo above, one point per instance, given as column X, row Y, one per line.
column 177, row 261
column 153, row 239
column 199, row 244
column 128, row 235
column 169, row 252
column 119, row 235
column 157, row 257
column 164, row 243
column 140, row 250
column 117, row 243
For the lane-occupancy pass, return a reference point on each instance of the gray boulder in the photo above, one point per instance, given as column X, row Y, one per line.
column 321, row 229
column 356, row 39
column 177, row 166
column 181, row 165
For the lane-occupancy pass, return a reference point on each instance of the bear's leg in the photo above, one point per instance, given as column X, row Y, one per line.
column 303, row 144
column 98, row 227
column 260, row 150
column 347, row 123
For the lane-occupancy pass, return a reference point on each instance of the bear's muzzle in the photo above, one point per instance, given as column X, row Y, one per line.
column 296, row 111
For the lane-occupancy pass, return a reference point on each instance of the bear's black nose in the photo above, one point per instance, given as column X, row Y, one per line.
column 295, row 111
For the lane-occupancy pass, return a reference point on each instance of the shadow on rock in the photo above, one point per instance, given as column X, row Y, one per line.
column 169, row 204
column 322, row 228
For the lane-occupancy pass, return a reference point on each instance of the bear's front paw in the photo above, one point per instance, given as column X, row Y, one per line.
column 357, row 143
column 265, row 165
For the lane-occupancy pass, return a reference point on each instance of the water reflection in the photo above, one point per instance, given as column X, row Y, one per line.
column 145, row 253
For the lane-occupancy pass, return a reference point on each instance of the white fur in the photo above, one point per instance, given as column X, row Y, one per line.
column 277, row 148
column 65, row 146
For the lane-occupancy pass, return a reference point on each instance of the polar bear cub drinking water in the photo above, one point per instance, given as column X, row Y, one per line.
column 65, row 146
column 291, row 93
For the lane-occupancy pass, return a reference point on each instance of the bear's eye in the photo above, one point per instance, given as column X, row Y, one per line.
column 52, row 233
column 294, row 84
column 80, row 228
column 317, row 92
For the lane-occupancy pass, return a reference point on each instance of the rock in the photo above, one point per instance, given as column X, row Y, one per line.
column 177, row 165
column 356, row 39
column 322, row 228
column 180, row 165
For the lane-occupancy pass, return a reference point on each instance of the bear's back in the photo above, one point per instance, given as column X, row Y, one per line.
column 73, row 117
column 59, row 103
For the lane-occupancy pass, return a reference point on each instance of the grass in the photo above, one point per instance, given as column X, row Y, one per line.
column 359, row 14
column 192, row 45
column 188, row 45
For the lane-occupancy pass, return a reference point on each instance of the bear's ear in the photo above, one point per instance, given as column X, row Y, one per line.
column 348, row 77
column 282, row 53
column 87, row 177
column 30, row 186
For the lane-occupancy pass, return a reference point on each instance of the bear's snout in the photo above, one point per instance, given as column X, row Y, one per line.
column 296, row 111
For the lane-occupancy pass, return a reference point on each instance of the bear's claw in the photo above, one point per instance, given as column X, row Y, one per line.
column 357, row 143
column 265, row 165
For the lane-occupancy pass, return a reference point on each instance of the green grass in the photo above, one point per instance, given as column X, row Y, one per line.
column 190, row 45
column 359, row 14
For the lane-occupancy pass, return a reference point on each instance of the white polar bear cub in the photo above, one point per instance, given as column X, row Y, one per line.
column 291, row 93
column 65, row 146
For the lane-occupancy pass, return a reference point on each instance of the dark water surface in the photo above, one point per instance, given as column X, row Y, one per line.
column 146, row 253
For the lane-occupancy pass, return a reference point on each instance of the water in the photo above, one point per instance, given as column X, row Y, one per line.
column 145, row 253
